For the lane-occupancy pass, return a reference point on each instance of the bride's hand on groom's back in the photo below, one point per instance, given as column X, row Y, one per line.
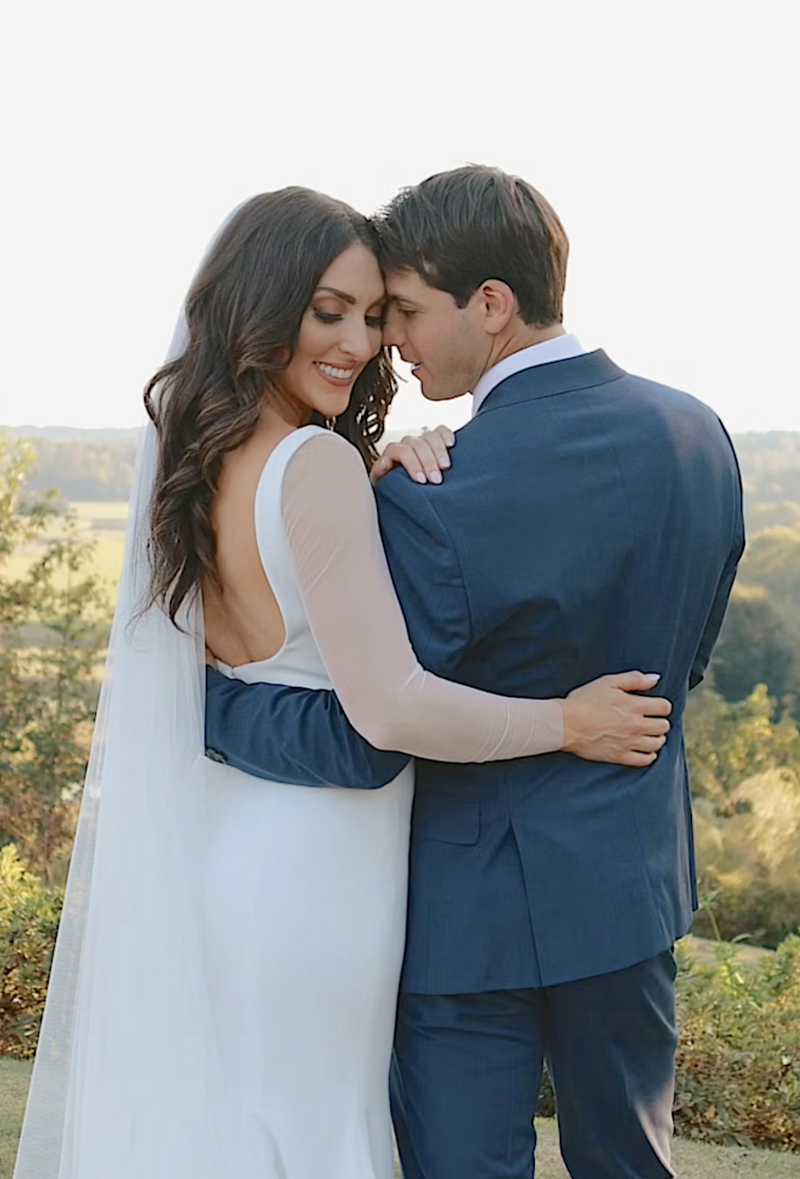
column 604, row 721
column 424, row 458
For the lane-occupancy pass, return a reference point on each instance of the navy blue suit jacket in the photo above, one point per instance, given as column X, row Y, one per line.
column 591, row 523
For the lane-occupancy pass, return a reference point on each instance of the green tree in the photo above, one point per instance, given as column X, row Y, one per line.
column 53, row 623
column 728, row 742
column 745, row 768
column 29, row 916
column 754, row 648
column 772, row 560
column 84, row 469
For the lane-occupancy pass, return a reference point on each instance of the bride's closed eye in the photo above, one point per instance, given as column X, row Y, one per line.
column 373, row 321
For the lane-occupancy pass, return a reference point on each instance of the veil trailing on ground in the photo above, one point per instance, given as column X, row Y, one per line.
column 125, row 1083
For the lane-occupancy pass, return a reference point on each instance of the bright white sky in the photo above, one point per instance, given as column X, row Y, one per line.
column 662, row 134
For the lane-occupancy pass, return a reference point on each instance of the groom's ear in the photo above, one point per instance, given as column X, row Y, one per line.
column 497, row 305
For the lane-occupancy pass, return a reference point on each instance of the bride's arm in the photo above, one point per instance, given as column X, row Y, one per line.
column 332, row 528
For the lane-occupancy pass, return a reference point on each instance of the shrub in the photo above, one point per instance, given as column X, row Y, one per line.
column 738, row 1066
column 747, row 908
column 727, row 743
column 29, row 914
column 749, row 860
column 52, row 629
column 738, row 1063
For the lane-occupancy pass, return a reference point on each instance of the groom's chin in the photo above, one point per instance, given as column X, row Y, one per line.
column 427, row 391
column 432, row 391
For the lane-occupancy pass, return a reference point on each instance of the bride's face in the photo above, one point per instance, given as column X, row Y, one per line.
column 339, row 333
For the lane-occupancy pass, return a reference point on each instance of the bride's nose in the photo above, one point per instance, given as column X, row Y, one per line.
column 357, row 343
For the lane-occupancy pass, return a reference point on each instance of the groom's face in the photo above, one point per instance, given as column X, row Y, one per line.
column 445, row 344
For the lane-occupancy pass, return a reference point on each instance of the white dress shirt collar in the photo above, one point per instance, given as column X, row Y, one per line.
column 559, row 348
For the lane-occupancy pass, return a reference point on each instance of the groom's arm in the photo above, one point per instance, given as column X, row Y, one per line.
column 292, row 735
column 720, row 605
column 303, row 737
column 717, row 615
column 426, row 572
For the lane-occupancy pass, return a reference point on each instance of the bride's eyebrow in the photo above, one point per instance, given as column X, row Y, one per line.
column 349, row 298
column 339, row 294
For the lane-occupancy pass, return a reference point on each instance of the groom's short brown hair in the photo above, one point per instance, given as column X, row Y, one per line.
column 459, row 228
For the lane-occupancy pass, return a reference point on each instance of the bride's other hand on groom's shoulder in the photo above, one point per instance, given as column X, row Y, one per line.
column 423, row 457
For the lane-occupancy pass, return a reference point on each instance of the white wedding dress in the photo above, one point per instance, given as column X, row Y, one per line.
column 305, row 901
column 305, row 892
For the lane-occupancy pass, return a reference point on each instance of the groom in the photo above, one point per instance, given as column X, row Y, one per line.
column 591, row 522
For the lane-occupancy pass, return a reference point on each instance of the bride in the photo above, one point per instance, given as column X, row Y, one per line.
column 223, row 990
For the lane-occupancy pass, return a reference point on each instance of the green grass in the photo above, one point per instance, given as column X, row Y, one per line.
column 693, row 1160
column 103, row 523
column 14, row 1077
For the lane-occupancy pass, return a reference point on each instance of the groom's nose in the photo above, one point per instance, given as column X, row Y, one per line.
column 393, row 334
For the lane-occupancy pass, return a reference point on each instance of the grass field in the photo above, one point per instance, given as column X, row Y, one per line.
column 693, row 1160
column 102, row 523
column 105, row 523
column 14, row 1076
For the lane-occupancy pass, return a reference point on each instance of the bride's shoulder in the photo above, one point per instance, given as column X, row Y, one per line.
column 325, row 468
column 324, row 451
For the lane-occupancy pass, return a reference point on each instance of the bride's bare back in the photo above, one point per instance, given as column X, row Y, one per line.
column 243, row 624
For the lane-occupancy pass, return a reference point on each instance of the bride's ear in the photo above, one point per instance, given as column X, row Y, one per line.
column 498, row 305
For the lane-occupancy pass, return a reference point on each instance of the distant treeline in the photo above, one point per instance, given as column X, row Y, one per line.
column 97, row 465
column 771, row 474
column 85, row 468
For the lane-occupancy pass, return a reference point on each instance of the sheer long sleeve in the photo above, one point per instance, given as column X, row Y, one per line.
column 389, row 698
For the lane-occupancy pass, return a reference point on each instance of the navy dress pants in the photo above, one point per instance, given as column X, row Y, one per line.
column 467, row 1069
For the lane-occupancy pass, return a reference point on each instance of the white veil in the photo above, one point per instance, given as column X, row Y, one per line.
column 125, row 1075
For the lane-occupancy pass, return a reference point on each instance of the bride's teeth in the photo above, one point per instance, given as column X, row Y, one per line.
column 341, row 374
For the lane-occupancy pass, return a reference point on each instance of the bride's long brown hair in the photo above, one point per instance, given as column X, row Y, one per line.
column 243, row 315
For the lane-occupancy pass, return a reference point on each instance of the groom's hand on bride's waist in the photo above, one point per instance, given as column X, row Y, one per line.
column 294, row 735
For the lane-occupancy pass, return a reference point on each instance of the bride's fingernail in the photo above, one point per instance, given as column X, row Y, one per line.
column 420, row 477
